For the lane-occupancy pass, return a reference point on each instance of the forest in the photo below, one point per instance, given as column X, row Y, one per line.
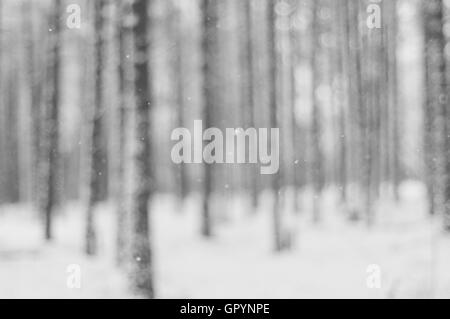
column 224, row 149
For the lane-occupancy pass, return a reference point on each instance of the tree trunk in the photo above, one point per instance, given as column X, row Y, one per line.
column 178, row 77
column 298, row 139
column 247, row 90
column 12, row 117
column 341, row 95
column 435, row 103
column 97, row 155
column 210, row 87
column 123, row 68
column 355, row 93
column 35, row 90
column 144, row 179
column 393, row 98
column 50, row 161
column 273, row 107
column 316, row 129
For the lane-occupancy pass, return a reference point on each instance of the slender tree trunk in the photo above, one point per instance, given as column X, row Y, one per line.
column 355, row 94
column 273, row 107
column 316, row 129
column 12, row 117
column 123, row 36
column 35, row 90
column 50, row 161
column 210, row 86
column 392, row 136
column 394, row 105
column 247, row 89
column 375, row 110
column 143, row 185
column 286, row 89
column 87, row 97
column 365, row 110
column 342, row 97
column 445, row 111
column 297, row 138
column 97, row 155
column 435, row 102
column 178, row 77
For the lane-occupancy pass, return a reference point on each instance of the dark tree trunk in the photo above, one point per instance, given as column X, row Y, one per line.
column 435, row 103
column 97, row 156
column 210, row 86
column 247, row 89
column 178, row 77
column 50, row 159
column 143, row 184
column 35, row 87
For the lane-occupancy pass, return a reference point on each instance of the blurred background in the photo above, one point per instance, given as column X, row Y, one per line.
column 92, row 205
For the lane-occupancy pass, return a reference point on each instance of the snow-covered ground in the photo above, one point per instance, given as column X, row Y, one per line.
column 333, row 259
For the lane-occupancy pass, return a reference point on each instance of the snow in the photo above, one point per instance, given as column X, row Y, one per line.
column 328, row 260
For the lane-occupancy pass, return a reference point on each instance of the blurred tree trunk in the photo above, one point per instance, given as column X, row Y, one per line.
column 123, row 70
column 445, row 111
column 341, row 87
column 331, row 166
column 355, row 93
column 178, row 78
column 210, row 96
column 385, row 114
column 286, row 88
column 12, row 138
column 87, row 97
column 316, row 125
column 395, row 145
column 97, row 155
column 35, row 89
column 298, row 143
column 285, row 105
column 247, row 89
column 391, row 147
column 144, row 179
column 374, row 109
column 435, row 102
column 347, row 117
column 366, row 120
column 49, row 163
column 273, row 60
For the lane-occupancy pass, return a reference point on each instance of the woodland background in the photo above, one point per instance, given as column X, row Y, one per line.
column 91, row 204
